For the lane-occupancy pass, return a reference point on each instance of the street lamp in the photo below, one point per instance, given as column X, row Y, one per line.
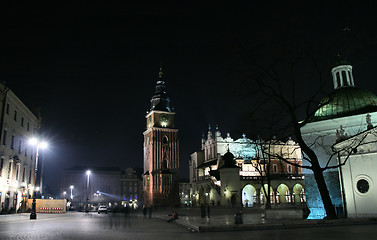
column 71, row 187
column 87, row 190
column 64, row 193
column 39, row 145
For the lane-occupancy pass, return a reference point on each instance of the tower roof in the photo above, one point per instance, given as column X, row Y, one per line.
column 160, row 100
column 346, row 99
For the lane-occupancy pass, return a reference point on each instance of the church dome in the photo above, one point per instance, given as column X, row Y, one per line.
column 228, row 161
column 346, row 101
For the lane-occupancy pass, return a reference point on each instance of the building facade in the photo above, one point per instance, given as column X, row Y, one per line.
column 358, row 174
column 161, row 151
column 232, row 173
column 17, row 159
column 132, row 189
column 342, row 114
column 91, row 187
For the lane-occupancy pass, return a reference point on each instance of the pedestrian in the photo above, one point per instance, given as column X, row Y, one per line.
column 202, row 211
column 150, row 209
column 145, row 211
column 208, row 211
column 174, row 217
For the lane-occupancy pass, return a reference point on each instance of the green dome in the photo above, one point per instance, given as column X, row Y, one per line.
column 346, row 101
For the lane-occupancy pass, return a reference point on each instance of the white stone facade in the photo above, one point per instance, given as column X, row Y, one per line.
column 358, row 175
column 17, row 161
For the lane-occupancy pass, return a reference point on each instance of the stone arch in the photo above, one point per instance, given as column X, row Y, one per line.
column 165, row 139
column 248, row 195
column 299, row 193
column 284, row 193
column 262, row 197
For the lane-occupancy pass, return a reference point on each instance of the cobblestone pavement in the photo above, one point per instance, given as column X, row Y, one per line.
column 116, row 226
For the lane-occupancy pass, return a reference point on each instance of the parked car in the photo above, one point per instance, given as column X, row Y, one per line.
column 102, row 208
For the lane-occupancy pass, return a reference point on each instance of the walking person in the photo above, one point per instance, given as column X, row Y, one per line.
column 145, row 211
column 208, row 211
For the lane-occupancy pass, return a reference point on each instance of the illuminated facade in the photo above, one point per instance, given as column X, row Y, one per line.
column 161, row 155
column 231, row 172
column 342, row 115
column 132, row 191
column 358, row 174
column 17, row 159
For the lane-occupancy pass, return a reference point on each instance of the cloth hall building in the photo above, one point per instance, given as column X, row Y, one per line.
column 231, row 173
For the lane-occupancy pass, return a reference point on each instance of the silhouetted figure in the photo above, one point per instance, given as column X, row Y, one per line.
column 208, row 211
column 145, row 211
column 202, row 211
column 150, row 209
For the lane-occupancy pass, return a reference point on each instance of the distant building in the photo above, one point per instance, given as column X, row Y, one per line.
column 161, row 151
column 102, row 186
column 225, row 172
column 17, row 159
column 131, row 189
column 184, row 193
column 342, row 114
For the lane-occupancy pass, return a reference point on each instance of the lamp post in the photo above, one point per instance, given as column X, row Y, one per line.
column 38, row 145
column 87, row 190
column 71, row 187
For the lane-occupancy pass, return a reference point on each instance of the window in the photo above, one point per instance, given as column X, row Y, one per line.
column 22, row 121
column 5, row 138
column 23, row 174
column 12, row 143
column 362, row 186
column 10, row 169
column 17, row 171
column 29, row 176
column 1, row 166
column 289, row 169
column 15, row 116
column 28, row 127
column 165, row 140
column 274, row 168
column 7, row 109
column 19, row 146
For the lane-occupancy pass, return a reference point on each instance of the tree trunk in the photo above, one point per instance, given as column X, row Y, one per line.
column 325, row 195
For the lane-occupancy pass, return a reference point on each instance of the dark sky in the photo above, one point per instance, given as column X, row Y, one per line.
column 92, row 68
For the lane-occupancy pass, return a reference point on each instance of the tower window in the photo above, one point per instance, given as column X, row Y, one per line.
column 165, row 140
column 15, row 116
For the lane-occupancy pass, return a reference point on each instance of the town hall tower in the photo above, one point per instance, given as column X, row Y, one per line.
column 161, row 154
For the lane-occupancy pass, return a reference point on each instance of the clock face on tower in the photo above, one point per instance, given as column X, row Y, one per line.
column 164, row 120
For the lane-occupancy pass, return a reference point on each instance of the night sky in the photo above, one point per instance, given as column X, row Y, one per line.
column 92, row 68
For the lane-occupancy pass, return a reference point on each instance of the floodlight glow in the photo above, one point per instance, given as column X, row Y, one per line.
column 33, row 141
column 43, row 145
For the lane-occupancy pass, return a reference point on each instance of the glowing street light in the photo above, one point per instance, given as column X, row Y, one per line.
column 88, row 172
column 38, row 145
column 71, row 187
